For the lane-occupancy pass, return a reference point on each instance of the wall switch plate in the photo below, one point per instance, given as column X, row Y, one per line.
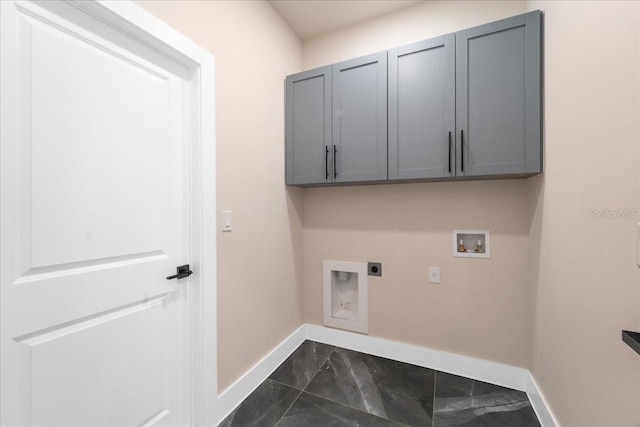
column 374, row 268
column 434, row 274
column 226, row 221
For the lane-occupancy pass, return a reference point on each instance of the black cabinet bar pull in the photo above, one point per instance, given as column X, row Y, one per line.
column 462, row 151
column 449, row 152
column 335, row 171
column 326, row 162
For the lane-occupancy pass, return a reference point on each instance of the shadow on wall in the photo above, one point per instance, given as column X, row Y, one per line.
column 536, row 187
column 499, row 205
column 295, row 211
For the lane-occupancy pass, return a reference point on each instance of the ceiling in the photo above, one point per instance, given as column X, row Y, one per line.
column 310, row 18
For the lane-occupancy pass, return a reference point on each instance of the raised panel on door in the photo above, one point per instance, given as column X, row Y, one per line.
column 360, row 119
column 308, row 127
column 422, row 109
column 94, row 178
column 498, row 98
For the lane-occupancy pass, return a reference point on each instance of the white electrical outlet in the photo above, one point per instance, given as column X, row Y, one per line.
column 434, row 274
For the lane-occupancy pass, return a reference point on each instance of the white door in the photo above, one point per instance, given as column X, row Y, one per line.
column 94, row 214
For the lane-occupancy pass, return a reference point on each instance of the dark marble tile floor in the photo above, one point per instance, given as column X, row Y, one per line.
column 462, row 401
column 320, row 385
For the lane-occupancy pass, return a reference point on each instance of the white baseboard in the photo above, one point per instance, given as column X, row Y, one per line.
column 479, row 369
column 238, row 391
column 539, row 403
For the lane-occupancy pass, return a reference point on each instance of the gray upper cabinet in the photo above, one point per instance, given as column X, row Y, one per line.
column 422, row 109
column 498, row 94
column 360, row 119
column 461, row 106
column 308, row 127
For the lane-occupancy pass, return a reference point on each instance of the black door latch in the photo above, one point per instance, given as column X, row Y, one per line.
column 182, row 272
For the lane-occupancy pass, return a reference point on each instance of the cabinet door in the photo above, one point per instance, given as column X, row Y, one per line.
column 360, row 119
column 422, row 109
column 308, row 127
column 498, row 98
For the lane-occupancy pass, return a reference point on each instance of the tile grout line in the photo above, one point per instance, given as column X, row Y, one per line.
column 237, row 408
column 306, row 385
column 292, row 403
column 323, row 397
column 353, row 407
column 326, row 359
column 331, row 400
column 314, row 373
column 281, row 383
column 433, row 406
column 319, row 367
column 360, row 409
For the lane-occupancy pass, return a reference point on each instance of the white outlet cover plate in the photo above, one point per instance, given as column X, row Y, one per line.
column 434, row 274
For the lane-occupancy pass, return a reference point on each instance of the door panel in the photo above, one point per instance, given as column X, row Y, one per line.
column 126, row 339
column 73, row 220
column 495, row 100
column 421, row 109
column 94, row 176
column 498, row 97
column 308, row 134
column 360, row 119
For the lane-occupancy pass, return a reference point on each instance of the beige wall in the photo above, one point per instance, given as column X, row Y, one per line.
column 482, row 308
column 428, row 19
column 259, row 262
column 559, row 286
column 585, row 281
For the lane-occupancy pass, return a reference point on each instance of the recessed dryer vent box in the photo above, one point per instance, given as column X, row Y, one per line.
column 345, row 295
column 471, row 243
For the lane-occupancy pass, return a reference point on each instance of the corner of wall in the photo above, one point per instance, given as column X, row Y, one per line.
column 583, row 276
column 259, row 262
